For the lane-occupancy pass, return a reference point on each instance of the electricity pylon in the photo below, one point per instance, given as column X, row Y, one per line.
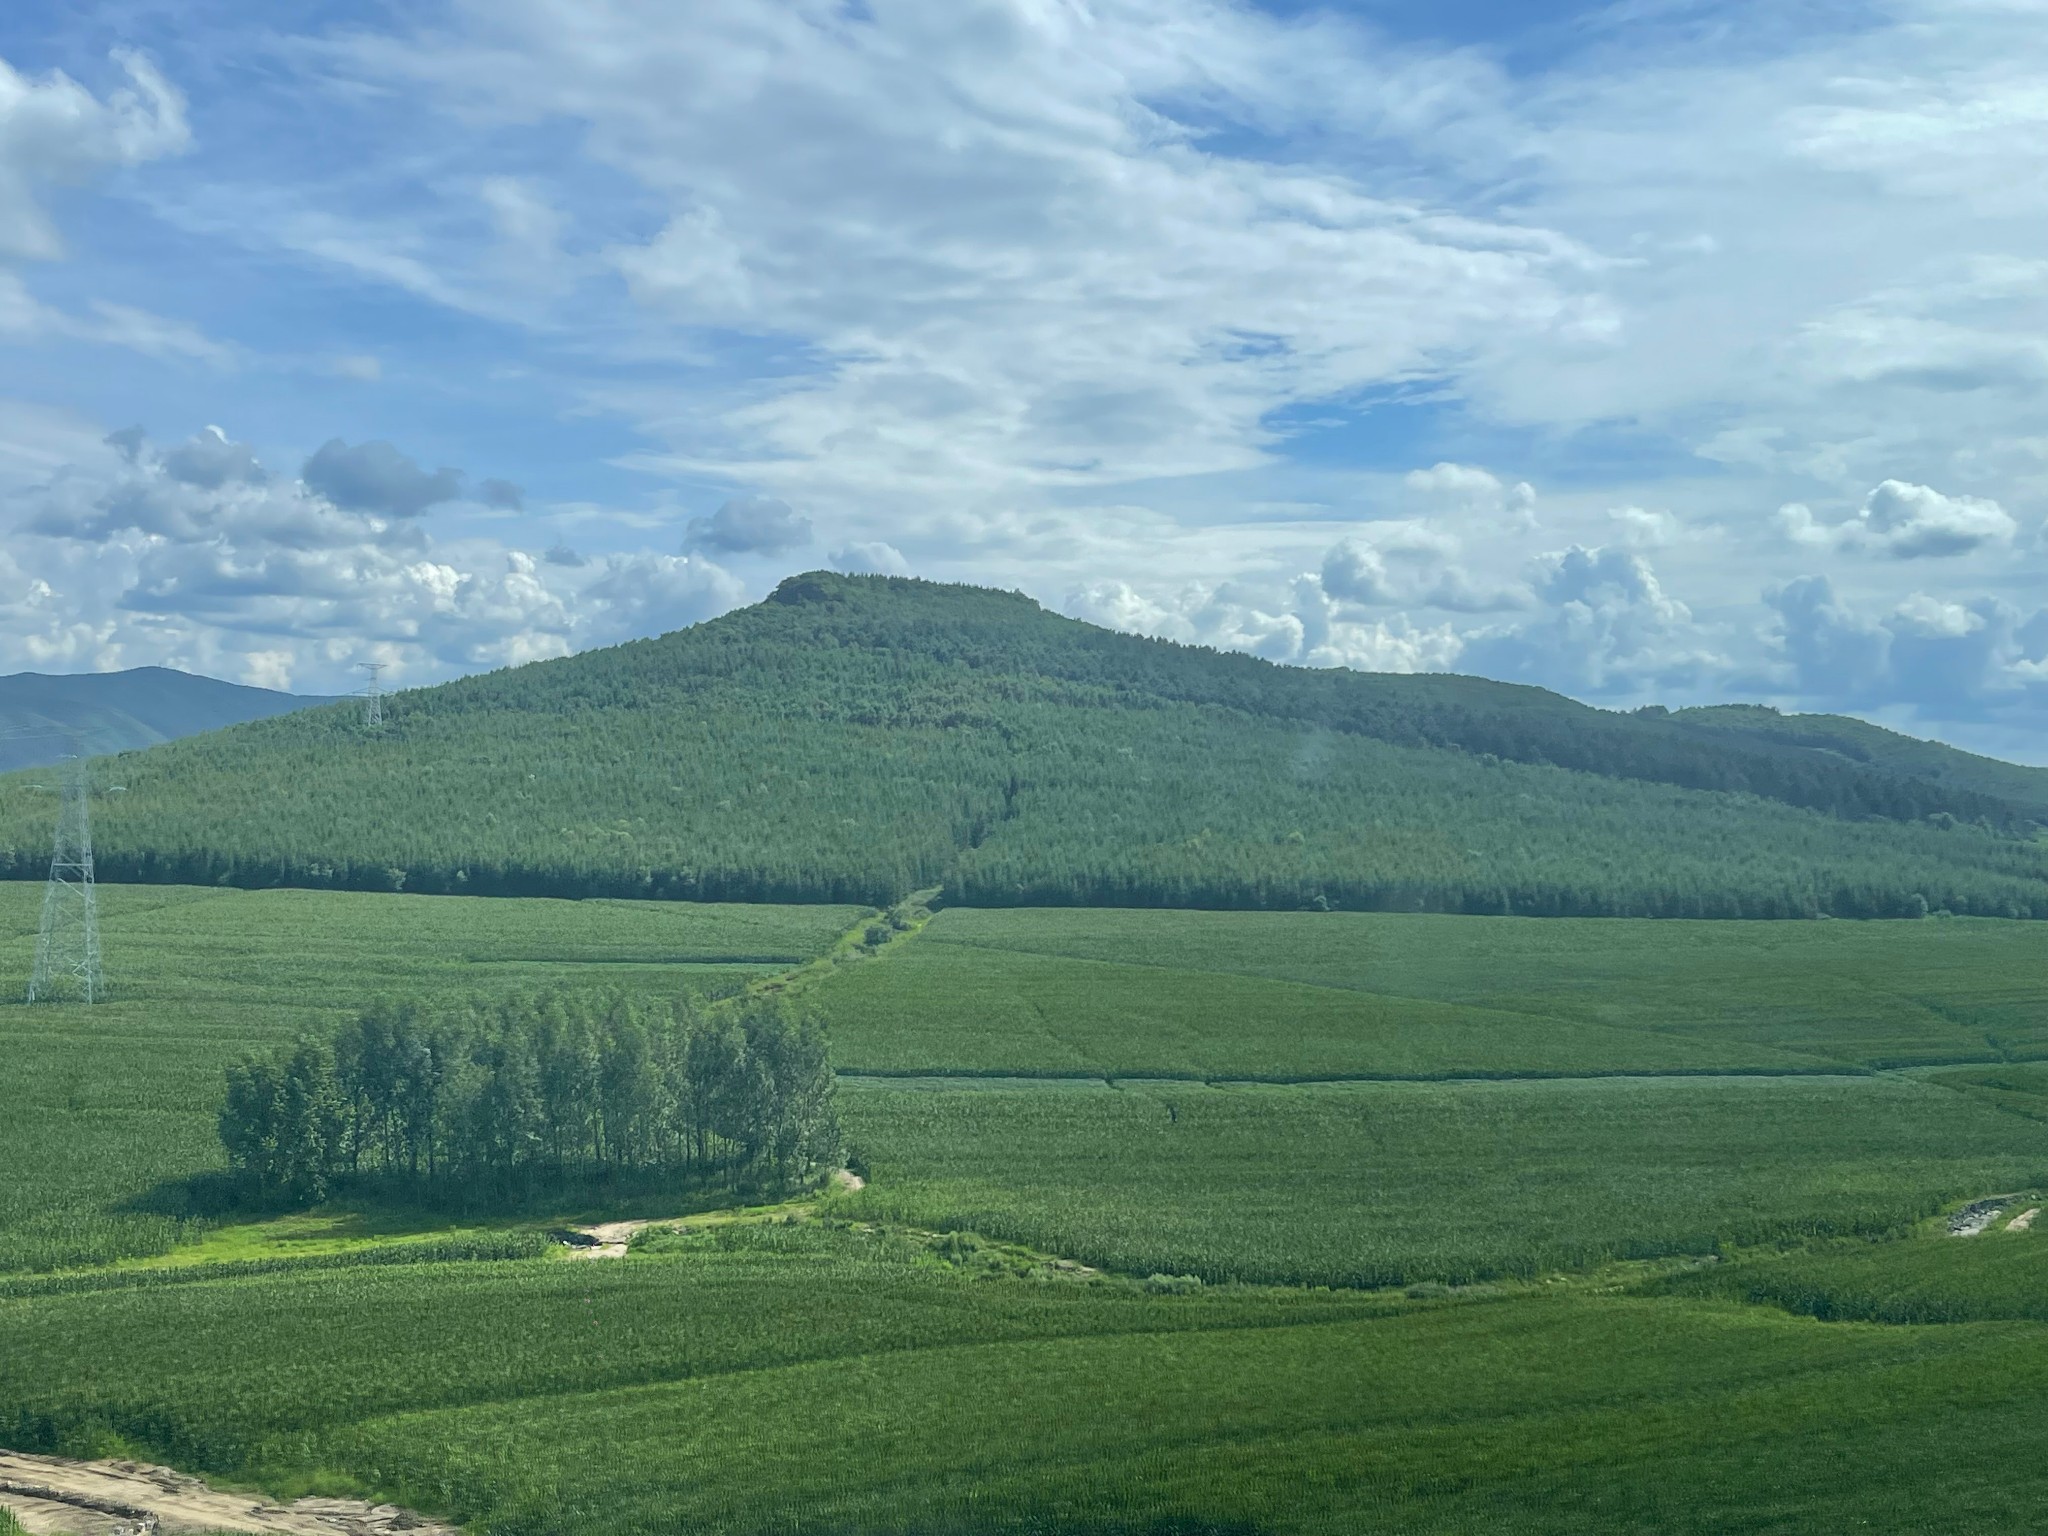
column 68, row 942
column 373, row 695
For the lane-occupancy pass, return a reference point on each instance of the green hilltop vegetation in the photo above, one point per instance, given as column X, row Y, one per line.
column 859, row 738
column 1858, row 741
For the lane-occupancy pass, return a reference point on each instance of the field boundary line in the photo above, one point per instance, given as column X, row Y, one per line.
column 1277, row 1080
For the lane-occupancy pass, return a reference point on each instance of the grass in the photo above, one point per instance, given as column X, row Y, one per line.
column 109, row 1108
column 1388, row 1183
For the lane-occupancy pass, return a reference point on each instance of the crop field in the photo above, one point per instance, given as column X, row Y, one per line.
column 1866, row 994
column 963, row 1008
column 1401, row 1222
column 1998, row 1274
column 1388, row 1183
column 104, row 1104
column 833, row 1381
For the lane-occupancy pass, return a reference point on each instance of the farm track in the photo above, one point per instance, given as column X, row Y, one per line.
column 50, row 1495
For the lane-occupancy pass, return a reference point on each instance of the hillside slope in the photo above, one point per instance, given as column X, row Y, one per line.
column 122, row 711
column 855, row 738
column 1858, row 741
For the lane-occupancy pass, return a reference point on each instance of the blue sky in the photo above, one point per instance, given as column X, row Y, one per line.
column 1652, row 350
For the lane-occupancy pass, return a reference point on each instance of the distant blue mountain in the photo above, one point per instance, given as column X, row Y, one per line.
column 120, row 711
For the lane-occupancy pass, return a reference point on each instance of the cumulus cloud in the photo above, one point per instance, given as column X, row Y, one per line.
column 1906, row 522
column 874, row 559
column 209, row 460
column 1604, row 625
column 376, row 477
column 651, row 594
column 1948, row 659
column 193, row 556
column 1414, row 564
column 1825, row 649
column 1476, row 489
column 1641, row 528
column 745, row 525
column 1297, row 622
column 1909, row 521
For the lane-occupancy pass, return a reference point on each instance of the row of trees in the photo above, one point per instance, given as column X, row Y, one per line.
column 534, row 1095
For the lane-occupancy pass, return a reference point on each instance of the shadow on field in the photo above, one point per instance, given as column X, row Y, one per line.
column 375, row 1207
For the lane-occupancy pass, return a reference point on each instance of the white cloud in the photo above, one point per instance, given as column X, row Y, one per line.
column 1476, row 490
column 749, row 525
column 1006, row 262
column 1946, row 659
column 1605, row 625
column 54, row 132
column 872, row 559
column 1907, row 522
column 1643, row 528
column 1413, row 564
column 195, row 556
column 1295, row 622
column 1931, row 618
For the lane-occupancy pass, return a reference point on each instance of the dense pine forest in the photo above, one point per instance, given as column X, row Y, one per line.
column 858, row 738
column 534, row 1096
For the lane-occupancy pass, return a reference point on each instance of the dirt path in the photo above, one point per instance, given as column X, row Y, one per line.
column 49, row 1495
column 611, row 1239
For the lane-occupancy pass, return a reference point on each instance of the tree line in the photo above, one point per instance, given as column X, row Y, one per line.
column 536, row 1095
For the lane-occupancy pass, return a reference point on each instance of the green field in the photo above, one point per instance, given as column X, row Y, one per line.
column 1776, row 995
column 105, row 1104
column 1404, row 1223
column 1996, row 1275
column 817, row 1383
column 1386, row 1183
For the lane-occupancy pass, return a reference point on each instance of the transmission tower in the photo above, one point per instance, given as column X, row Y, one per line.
column 68, row 942
column 373, row 695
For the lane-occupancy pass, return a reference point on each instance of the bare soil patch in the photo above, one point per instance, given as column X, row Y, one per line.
column 48, row 1494
column 2024, row 1220
column 607, row 1239
column 1973, row 1220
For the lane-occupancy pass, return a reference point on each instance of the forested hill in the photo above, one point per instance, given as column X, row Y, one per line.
column 856, row 738
column 1858, row 741
column 41, row 715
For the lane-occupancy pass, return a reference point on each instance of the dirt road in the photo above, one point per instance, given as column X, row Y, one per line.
column 49, row 1495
